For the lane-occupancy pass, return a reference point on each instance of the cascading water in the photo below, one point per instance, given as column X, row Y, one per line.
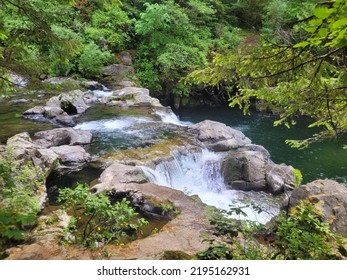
column 104, row 92
column 170, row 117
column 200, row 174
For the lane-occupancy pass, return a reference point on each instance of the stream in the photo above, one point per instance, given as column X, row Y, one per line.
column 197, row 173
column 319, row 161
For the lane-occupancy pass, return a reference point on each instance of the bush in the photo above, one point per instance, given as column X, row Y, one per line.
column 235, row 239
column 299, row 236
column 19, row 206
column 304, row 236
column 92, row 60
column 95, row 219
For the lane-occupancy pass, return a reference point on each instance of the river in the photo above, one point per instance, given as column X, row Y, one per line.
column 320, row 160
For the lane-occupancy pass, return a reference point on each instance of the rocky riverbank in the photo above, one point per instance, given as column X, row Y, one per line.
column 240, row 166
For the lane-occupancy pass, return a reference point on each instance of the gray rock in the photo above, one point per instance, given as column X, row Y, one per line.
column 125, row 58
column 245, row 170
column 51, row 112
column 19, row 81
column 71, row 155
column 134, row 96
column 211, row 132
column 279, row 177
column 37, row 110
column 63, row 136
column 61, row 109
column 63, row 80
column 330, row 198
column 65, row 119
column 72, row 102
column 118, row 71
column 117, row 76
column 93, row 85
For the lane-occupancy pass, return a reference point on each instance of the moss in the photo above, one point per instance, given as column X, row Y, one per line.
column 176, row 255
column 162, row 149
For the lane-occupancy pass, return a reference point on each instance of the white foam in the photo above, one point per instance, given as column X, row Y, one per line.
column 170, row 117
column 111, row 125
column 102, row 93
column 200, row 174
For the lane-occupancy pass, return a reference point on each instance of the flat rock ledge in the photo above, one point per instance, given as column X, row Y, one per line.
column 183, row 233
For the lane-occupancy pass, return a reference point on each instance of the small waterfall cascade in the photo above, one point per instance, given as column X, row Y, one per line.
column 171, row 117
column 110, row 125
column 199, row 173
column 104, row 92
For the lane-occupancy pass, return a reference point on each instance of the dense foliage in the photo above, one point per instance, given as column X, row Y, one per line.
column 299, row 235
column 302, row 69
column 95, row 220
column 19, row 204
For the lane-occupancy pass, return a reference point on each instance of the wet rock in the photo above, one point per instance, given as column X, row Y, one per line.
column 62, row 109
column 330, row 198
column 93, row 85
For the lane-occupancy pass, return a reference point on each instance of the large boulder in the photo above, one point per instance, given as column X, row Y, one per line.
column 48, row 153
column 61, row 109
column 329, row 197
column 245, row 171
column 133, row 96
column 63, row 136
column 218, row 136
column 250, row 168
column 117, row 74
column 279, row 177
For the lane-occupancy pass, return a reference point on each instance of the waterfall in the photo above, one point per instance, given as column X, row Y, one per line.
column 110, row 125
column 200, row 174
column 171, row 117
column 105, row 92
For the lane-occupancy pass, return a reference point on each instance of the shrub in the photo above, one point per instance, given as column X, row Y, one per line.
column 304, row 236
column 299, row 236
column 19, row 206
column 92, row 60
column 95, row 219
column 235, row 239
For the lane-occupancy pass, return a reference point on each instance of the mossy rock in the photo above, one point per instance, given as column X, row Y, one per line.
column 176, row 255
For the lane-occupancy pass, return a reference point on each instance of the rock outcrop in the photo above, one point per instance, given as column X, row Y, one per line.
column 133, row 96
column 118, row 76
column 61, row 110
column 48, row 155
column 330, row 198
column 245, row 166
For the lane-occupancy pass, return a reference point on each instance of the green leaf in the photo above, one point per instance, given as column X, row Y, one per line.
column 323, row 12
column 323, row 32
column 339, row 23
column 301, row 44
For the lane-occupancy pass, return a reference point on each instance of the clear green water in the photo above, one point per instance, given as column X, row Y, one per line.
column 321, row 160
column 12, row 121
